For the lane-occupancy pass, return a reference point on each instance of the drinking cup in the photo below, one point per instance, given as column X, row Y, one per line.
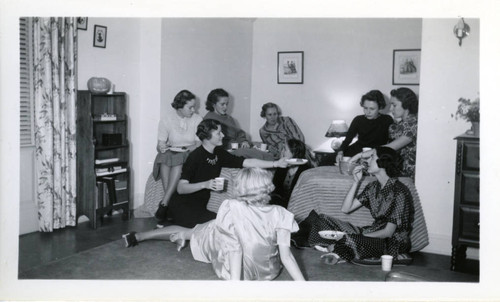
column 219, row 183
column 386, row 263
column 234, row 146
column 263, row 147
column 366, row 149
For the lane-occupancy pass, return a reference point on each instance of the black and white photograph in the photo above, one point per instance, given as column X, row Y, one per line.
column 406, row 67
column 195, row 148
column 100, row 36
column 290, row 67
column 82, row 23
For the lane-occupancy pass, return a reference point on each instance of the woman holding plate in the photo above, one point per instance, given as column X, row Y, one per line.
column 176, row 137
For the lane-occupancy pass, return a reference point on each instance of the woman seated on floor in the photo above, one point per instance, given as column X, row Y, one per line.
column 371, row 128
column 188, row 205
column 247, row 233
column 277, row 129
column 403, row 133
column 390, row 204
column 285, row 178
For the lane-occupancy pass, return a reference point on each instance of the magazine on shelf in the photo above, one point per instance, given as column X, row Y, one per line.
column 107, row 172
column 106, row 160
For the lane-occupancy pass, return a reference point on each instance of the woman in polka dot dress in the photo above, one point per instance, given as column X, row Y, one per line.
column 390, row 204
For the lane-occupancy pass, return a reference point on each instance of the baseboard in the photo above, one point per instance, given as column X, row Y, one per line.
column 28, row 213
column 441, row 244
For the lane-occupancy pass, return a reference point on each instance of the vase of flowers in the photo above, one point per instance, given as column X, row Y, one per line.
column 469, row 111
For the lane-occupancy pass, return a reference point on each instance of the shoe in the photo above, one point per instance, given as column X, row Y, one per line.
column 130, row 239
column 402, row 260
column 161, row 213
column 180, row 242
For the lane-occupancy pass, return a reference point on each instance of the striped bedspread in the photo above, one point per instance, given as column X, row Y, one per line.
column 323, row 189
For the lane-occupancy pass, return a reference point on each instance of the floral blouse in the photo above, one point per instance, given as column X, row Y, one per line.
column 408, row 128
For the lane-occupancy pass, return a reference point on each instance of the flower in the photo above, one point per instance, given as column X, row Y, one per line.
column 468, row 110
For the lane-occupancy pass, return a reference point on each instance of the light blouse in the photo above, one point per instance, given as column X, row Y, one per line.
column 178, row 131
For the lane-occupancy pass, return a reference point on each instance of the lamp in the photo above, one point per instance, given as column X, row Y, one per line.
column 337, row 128
column 461, row 30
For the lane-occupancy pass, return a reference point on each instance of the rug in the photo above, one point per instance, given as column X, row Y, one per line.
column 159, row 260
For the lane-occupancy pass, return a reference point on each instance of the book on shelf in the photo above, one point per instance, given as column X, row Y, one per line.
column 106, row 160
column 103, row 172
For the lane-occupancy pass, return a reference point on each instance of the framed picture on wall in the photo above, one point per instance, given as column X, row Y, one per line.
column 100, row 36
column 81, row 23
column 290, row 67
column 406, row 67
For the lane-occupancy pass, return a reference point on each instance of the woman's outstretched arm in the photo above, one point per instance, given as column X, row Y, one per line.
column 289, row 262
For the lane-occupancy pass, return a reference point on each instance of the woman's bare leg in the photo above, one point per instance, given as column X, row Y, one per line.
column 169, row 177
column 164, row 233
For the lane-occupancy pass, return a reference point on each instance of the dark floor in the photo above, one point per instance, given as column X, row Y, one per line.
column 37, row 248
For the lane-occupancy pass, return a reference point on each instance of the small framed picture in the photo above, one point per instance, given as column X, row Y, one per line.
column 100, row 36
column 290, row 67
column 406, row 67
column 81, row 23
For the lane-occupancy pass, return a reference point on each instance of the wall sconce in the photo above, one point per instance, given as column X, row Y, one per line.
column 461, row 30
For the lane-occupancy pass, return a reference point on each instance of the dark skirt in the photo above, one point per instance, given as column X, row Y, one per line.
column 187, row 211
column 170, row 159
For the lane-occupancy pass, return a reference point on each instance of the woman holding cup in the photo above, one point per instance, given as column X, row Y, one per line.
column 188, row 205
column 390, row 204
column 403, row 133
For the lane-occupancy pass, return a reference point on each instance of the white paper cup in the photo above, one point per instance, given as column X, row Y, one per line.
column 263, row 147
column 366, row 149
column 234, row 145
column 219, row 183
column 386, row 263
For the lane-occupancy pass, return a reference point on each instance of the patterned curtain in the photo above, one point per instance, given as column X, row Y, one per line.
column 55, row 47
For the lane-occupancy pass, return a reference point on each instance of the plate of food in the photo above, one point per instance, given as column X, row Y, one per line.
column 296, row 161
column 332, row 235
column 178, row 149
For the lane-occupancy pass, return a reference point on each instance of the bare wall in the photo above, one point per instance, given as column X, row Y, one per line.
column 343, row 59
column 202, row 54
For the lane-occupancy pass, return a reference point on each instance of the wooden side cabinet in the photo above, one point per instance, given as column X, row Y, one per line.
column 103, row 178
column 466, row 209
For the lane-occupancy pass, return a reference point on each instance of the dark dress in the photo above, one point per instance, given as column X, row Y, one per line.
column 392, row 203
column 284, row 184
column 188, row 210
column 371, row 133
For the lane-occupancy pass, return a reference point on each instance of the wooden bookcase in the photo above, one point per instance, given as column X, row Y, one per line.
column 103, row 173
column 466, row 209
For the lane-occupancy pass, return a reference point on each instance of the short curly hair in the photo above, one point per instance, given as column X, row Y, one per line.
column 253, row 185
column 375, row 96
column 213, row 98
column 205, row 128
column 390, row 160
column 407, row 97
column 181, row 99
column 267, row 106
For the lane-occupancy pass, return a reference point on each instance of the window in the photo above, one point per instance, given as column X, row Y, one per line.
column 26, row 82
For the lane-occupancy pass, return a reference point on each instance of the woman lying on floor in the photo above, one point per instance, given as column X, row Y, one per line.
column 390, row 204
column 248, row 233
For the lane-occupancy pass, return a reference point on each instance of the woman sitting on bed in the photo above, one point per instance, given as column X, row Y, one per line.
column 390, row 204
column 285, row 178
